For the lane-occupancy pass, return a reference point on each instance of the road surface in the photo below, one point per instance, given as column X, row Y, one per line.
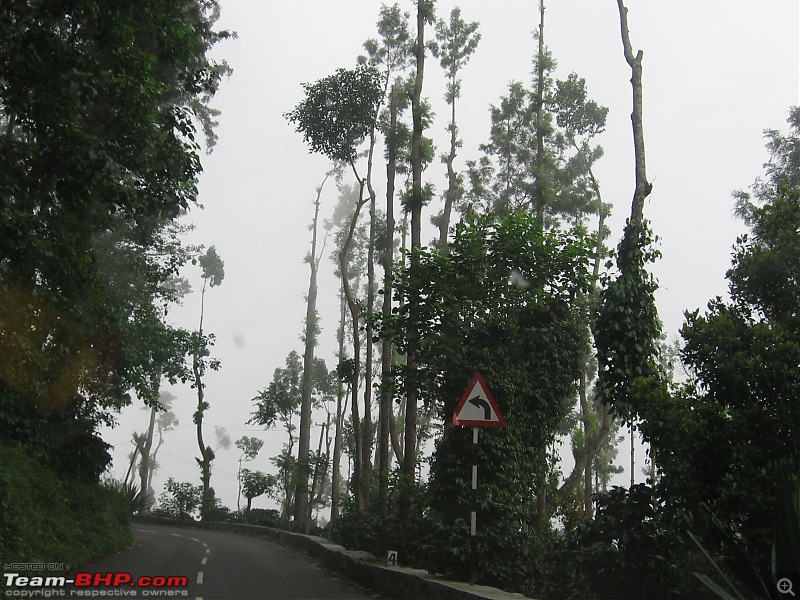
column 217, row 565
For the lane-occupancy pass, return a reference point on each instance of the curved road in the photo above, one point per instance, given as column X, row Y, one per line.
column 219, row 565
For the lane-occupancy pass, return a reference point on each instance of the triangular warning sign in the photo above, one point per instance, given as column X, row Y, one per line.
column 477, row 408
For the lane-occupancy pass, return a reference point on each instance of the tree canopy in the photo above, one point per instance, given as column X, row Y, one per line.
column 99, row 109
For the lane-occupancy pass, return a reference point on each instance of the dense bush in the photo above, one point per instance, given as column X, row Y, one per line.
column 261, row 517
column 410, row 535
column 48, row 519
column 635, row 547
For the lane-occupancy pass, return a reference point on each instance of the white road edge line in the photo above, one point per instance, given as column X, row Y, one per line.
column 199, row 577
column 145, row 531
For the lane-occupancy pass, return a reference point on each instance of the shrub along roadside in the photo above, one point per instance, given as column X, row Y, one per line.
column 47, row 519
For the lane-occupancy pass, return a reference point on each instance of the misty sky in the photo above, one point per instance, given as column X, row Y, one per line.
column 716, row 74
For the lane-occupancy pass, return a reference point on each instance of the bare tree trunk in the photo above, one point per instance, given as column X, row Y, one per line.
column 585, row 415
column 310, row 504
column 539, row 186
column 366, row 425
column 304, row 442
column 147, row 446
column 136, row 449
column 385, row 409
column 337, row 439
column 355, row 316
column 643, row 187
column 410, row 450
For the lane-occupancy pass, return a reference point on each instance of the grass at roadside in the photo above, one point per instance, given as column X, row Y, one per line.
column 49, row 520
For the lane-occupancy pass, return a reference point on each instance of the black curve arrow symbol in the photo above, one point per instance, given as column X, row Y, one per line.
column 481, row 403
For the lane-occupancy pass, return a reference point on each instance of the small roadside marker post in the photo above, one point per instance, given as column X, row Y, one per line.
column 477, row 408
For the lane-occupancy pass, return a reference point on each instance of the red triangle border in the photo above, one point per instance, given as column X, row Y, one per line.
column 478, row 379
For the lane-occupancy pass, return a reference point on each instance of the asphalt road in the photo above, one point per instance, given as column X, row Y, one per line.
column 218, row 565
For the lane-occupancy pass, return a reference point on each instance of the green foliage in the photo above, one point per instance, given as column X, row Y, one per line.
column 410, row 534
column 507, row 177
column 338, row 112
column 212, row 266
column 46, row 516
column 785, row 552
column 250, row 447
column 256, row 483
column 627, row 326
column 281, row 400
column 727, row 437
column 98, row 105
column 392, row 51
column 506, row 301
column 263, row 518
column 138, row 501
column 179, row 500
column 633, row 548
column 455, row 43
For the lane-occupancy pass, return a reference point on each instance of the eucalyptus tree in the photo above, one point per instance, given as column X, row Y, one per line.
column 162, row 418
column 415, row 200
column 310, row 342
column 390, row 56
column 337, row 114
column 213, row 272
column 455, row 43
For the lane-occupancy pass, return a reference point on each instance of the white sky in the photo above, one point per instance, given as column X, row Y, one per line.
column 716, row 74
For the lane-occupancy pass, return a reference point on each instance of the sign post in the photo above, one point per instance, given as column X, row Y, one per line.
column 477, row 408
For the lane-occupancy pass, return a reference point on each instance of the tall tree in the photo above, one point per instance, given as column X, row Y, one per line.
column 164, row 419
column 542, row 64
column 336, row 115
column 310, row 342
column 416, row 200
column 213, row 272
column 390, row 55
column 455, row 43
column 628, row 326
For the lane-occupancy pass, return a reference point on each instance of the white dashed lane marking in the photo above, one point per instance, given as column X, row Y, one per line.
column 199, row 577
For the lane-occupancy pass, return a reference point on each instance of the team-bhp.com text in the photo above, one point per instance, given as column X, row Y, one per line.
column 94, row 585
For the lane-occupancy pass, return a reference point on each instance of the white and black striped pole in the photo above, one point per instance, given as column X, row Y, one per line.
column 474, row 515
column 476, row 409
